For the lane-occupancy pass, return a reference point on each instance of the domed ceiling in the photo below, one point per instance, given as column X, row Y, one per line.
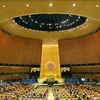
column 50, row 22
column 47, row 19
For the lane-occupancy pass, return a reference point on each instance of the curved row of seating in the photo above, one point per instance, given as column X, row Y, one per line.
column 61, row 93
column 84, row 91
column 39, row 93
column 28, row 80
column 15, row 91
column 72, row 80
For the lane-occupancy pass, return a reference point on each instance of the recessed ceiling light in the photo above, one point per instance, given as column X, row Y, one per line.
column 67, row 19
column 86, row 19
column 50, row 4
column 78, row 16
column 70, row 15
column 4, row 6
column 97, row 5
column 49, row 24
column 27, row 5
column 35, row 21
column 74, row 5
column 81, row 28
column 30, row 16
column 31, row 19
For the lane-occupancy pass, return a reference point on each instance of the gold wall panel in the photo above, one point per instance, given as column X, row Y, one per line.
column 50, row 65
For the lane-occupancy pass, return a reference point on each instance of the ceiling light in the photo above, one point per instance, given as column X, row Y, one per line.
column 30, row 16
column 49, row 24
column 35, row 21
column 67, row 20
column 27, row 5
column 97, row 5
column 86, row 19
column 26, row 22
column 62, row 22
column 70, row 15
column 78, row 16
column 56, row 23
column 42, row 23
column 68, row 30
column 4, row 6
column 31, row 19
column 13, row 20
column 74, row 5
column 50, row 4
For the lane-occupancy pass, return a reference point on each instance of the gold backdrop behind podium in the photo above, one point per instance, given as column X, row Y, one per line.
column 50, row 64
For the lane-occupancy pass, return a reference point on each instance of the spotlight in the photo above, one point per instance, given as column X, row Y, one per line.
column 97, row 5
column 27, row 5
column 50, row 4
column 74, row 5
column 4, row 6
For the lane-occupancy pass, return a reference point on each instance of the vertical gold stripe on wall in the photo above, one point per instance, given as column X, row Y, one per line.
column 50, row 64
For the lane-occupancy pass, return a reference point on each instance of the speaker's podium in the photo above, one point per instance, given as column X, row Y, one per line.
column 50, row 80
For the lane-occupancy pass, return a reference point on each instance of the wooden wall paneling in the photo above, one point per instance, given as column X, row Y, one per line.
column 19, row 51
column 73, row 69
column 87, row 76
column 98, row 68
column 88, row 69
column 94, row 68
column 14, row 70
column 79, row 69
column 97, row 76
column 81, row 50
column 83, row 68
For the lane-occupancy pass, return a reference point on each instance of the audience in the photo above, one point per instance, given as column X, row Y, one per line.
column 14, row 92
column 69, row 91
column 39, row 93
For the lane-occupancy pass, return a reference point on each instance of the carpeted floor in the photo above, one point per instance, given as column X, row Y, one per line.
column 50, row 94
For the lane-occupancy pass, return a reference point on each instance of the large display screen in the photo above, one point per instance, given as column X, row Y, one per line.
column 35, row 72
column 65, row 71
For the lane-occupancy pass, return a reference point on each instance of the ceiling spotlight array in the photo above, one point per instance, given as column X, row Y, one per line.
column 50, row 22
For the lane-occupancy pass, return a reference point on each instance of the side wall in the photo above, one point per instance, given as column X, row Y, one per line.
column 14, row 50
column 81, row 50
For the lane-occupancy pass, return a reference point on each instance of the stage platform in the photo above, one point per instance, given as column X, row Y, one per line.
column 37, row 84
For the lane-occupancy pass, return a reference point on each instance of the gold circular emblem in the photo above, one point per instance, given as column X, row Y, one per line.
column 50, row 66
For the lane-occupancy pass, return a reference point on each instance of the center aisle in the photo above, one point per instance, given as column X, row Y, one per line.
column 50, row 94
